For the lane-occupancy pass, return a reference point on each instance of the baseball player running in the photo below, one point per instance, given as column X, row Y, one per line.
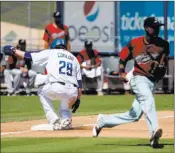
column 150, row 54
column 63, row 82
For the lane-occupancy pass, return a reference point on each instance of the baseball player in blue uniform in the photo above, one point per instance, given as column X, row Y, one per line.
column 63, row 81
column 150, row 54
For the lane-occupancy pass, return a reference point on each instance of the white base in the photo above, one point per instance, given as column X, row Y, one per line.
column 42, row 127
column 49, row 127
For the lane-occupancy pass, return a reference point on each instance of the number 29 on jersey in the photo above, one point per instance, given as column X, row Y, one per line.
column 65, row 68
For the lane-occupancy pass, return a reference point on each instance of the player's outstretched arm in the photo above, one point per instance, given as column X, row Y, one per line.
column 10, row 50
column 38, row 58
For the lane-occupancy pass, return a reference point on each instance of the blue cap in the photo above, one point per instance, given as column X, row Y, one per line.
column 58, row 42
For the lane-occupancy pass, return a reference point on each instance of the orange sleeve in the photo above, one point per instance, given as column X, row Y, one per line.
column 65, row 27
column 124, row 53
column 98, row 59
column 80, row 57
column 46, row 35
column 66, row 30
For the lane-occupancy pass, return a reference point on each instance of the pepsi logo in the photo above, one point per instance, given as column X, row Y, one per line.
column 91, row 10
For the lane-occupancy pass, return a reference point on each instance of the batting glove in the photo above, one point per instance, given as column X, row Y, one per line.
column 75, row 106
column 9, row 50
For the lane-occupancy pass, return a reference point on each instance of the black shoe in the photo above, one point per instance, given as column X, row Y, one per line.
column 96, row 131
column 154, row 140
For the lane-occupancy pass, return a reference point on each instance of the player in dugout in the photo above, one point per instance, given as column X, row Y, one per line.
column 91, row 65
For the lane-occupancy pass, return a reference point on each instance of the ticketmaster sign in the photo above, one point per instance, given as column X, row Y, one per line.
column 132, row 15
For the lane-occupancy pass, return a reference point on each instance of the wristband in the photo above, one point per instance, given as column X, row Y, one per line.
column 27, row 56
column 79, row 83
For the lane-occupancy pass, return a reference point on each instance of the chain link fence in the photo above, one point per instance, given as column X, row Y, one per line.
column 25, row 20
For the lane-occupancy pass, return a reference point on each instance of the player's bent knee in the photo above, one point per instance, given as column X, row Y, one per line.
column 135, row 115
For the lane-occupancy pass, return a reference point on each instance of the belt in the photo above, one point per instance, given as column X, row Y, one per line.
column 63, row 83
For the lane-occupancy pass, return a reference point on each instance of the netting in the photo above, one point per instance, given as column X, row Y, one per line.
column 25, row 20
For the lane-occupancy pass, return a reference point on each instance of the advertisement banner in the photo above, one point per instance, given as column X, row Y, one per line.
column 132, row 15
column 90, row 20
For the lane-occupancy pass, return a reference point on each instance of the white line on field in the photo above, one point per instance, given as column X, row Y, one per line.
column 19, row 132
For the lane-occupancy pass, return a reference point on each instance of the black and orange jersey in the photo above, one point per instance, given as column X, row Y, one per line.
column 52, row 32
column 83, row 56
column 144, row 54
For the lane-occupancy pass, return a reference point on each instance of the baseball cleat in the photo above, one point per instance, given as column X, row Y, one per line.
column 96, row 130
column 66, row 124
column 154, row 140
column 57, row 125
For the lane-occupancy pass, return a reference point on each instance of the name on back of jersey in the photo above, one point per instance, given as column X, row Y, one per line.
column 62, row 55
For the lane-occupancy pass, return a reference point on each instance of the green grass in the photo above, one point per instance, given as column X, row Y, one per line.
column 20, row 108
column 88, row 145
column 26, row 108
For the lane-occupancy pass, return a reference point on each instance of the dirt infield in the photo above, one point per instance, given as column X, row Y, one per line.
column 83, row 128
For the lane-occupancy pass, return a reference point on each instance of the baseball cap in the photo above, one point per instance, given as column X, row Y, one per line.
column 57, row 15
column 152, row 22
column 22, row 42
column 88, row 43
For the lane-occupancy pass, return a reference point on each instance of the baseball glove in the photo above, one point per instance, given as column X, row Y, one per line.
column 75, row 106
column 158, row 70
column 9, row 50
